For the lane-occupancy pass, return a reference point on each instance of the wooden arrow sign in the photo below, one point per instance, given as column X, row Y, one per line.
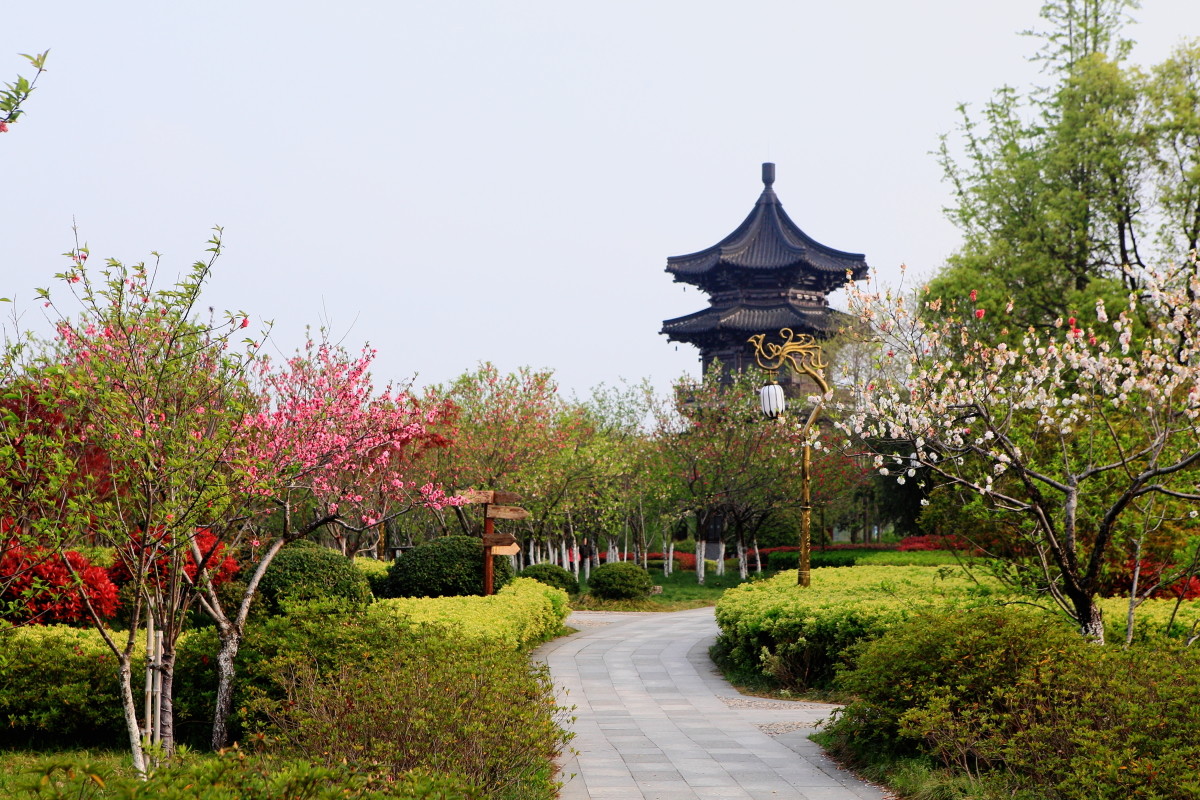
column 505, row 498
column 507, row 512
column 498, row 539
column 474, row 496
column 510, row 550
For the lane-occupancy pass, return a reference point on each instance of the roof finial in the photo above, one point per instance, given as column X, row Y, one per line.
column 768, row 173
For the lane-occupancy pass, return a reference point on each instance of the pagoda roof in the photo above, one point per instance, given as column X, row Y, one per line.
column 743, row 319
column 767, row 240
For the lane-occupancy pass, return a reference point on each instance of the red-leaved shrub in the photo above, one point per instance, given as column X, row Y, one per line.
column 39, row 588
column 221, row 567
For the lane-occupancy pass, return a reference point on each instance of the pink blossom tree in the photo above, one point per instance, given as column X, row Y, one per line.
column 322, row 449
column 1102, row 414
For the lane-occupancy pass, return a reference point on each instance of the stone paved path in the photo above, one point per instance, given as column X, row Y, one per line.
column 655, row 720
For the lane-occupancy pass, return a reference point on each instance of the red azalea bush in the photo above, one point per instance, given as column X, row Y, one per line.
column 933, row 542
column 1149, row 573
column 39, row 588
column 221, row 567
column 682, row 560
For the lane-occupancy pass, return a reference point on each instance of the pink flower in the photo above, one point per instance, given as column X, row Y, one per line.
column 254, row 542
column 245, row 322
column 979, row 313
column 1071, row 321
column 3, row 127
column 974, row 294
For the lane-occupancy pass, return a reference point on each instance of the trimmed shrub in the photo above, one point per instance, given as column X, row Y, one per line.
column 376, row 572
column 553, row 575
column 58, row 685
column 795, row 636
column 449, row 566
column 307, row 571
column 622, row 580
column 522, row 614
column 232, row 775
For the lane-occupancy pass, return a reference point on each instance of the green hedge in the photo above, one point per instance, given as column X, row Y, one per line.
column 795, row 636
column 1013, row 703
column 524, row 613
column 58, row 685
column 620, row 580
column 448, row 566
column 376, row 572
column 235, row 776
column 305, row 570
column 553, row 575
column 789, row 559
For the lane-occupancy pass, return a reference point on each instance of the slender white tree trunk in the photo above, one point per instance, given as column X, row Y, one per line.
column 669, row 563
column 701, row 552
column 721, row 558
column 743, row 564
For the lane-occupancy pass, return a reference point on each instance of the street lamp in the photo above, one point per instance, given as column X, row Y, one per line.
column 802, row 353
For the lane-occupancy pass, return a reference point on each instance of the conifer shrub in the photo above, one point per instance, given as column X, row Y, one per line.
column 552, row 575
column 620, row 580
column 305, row 570
column 449, row 566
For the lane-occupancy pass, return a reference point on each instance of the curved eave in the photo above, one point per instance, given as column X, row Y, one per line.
column 751, row 319
column 767, row 240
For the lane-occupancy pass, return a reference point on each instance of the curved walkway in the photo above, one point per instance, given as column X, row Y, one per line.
column 654, row 719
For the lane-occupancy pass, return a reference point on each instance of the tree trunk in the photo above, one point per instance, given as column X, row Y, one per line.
column 743, row 564
column 1091, row 619
column 701, row 552
column 129, row 706
column 757, row 557
column 230, row 643
column 721, row 558
column 166, row 698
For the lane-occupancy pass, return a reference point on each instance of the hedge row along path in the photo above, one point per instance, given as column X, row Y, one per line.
column 654, row 719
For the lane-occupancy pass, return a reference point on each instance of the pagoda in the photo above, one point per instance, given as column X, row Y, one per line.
column 766, row 275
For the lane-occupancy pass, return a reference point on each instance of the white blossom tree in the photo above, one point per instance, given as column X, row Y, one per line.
column 1078, row 430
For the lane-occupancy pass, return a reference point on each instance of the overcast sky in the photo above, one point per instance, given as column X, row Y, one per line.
column 457, row 182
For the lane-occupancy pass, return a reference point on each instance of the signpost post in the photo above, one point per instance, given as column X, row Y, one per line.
column 495, row 506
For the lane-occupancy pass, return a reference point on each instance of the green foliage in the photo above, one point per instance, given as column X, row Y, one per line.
column 375, row 688
column 375, row 571
column 1016, row 703
column 523, row 614
column 796, row 636
column 57, row 685
column 307, row 571
column 952, row 659
column 448, row 566
column 232, row 775
column 553, row 575
column 622, row 580
column 16, row 93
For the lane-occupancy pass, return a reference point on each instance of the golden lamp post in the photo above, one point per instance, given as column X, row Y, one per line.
column 802, row 353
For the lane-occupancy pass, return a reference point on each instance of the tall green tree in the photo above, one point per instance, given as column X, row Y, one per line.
column 1060, row 191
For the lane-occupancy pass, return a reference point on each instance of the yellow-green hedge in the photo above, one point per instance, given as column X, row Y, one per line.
column 522, row 614
column 796, row 636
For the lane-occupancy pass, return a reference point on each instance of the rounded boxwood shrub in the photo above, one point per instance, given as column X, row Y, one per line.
column 449, row 566
column 552, row 575
column 307, row 571
column 622, row 580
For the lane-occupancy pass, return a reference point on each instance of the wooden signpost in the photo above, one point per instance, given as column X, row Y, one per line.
column 496, row 505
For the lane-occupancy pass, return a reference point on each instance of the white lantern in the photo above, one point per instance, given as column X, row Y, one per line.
column 771, row 400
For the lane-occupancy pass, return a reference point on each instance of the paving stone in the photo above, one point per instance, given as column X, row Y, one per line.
column 653, row 719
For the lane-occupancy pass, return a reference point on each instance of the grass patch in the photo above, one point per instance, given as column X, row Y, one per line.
column 680, row 592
